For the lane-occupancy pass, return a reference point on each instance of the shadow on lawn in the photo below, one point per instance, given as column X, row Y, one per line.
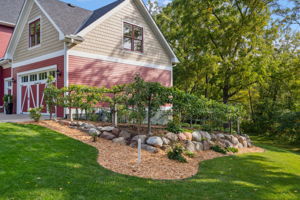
column 48, row 165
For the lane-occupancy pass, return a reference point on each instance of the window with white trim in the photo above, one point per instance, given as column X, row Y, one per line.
column 35, row 33
column 43, row 76
column 33, row 77
column 133, row 38
column 24, row 79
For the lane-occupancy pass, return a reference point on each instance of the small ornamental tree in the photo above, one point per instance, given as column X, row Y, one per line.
column 117, row 97
column 68, row 99
column 51, row 95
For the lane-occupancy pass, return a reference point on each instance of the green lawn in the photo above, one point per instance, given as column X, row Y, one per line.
column 37, row 163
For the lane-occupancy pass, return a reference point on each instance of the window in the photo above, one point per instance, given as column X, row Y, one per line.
column 33, row 77
column 9, row 83
column 24, row 79
column 133, row 37
column 34, row 33
column 43, row 76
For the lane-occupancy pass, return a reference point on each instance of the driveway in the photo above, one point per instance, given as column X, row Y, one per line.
column 16, row 118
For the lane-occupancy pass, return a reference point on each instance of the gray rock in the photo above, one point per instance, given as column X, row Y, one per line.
column 234, row 140
column 239, row 146
column 249, row 144
column 198, row 146
column 205, row 135
column 93, row 132
column 79, row 123
column 99, row 128
column 213, row 137
column 73, row 124
column 245, row 144
column 172, row 136
column 206, row 145
column 155, row 141
column 107, row 135
column 227, row 137
column 166, row 141
column 196, row 136
column 228, row 144
column 241, row 139
column 220, row 136
column 149, row 148
column 107, row 128
column 142, row 137
column 116, row 131
column 125, row 134
column 88, row 126
column 190, row 146
column 119, row 140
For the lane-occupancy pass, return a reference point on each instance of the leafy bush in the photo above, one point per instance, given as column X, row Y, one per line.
column 176, row 153
column 8, row 98
column 218, row 149
column 173, row 127
column 232, row 149
column 35, row 113
column 189, row 154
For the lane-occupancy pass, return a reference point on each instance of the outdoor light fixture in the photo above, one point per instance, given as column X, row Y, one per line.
column 58, row 72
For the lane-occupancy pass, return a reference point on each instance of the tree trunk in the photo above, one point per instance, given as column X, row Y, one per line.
column 77, row 114
column 115, row 116
column 251, row 105
column 238, row 125
column 70, row 114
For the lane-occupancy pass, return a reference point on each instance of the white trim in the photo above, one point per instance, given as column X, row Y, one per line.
column 38, row 59
column 34, row 47
column 101, row 19
column 66, row 67
column 122, row 36
column 7, row 24
column 34, row 19
column 118, row 60
column 19, row 83
column 38, row 70
column 61, row 34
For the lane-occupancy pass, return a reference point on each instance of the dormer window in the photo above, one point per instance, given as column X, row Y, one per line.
column 34, row 33
column 133, row 38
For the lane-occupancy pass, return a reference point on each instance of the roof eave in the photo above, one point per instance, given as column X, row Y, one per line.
column 7, row 24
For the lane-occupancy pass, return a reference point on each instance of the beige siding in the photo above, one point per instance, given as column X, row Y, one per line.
column 49, row 39
column 106, row 39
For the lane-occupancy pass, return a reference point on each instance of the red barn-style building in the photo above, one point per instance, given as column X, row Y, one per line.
column 104, row 47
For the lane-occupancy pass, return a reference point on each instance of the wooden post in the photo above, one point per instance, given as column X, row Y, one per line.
column 139, row 150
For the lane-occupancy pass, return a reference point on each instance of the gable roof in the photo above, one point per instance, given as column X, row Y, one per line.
column 66, row 16
column 99, row 13
column 10, row 10
column 72, row 20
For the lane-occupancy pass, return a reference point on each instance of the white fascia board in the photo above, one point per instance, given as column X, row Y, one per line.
column 39, row 59
column 7, row 24
column 97, row 22
column 117, row 60
column 61, row 34
column 51, row 67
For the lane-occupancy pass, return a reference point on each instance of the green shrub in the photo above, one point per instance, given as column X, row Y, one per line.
column 8, row 98
column 189, row 154
column 218, row 149
column 173, row 127
column 176, row 154
column 35, row 113
column 232, row 149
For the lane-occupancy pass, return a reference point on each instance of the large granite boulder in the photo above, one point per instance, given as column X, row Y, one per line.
column 119, row 140
column 116, row 132
column 107, row 135
column 198, row 146
column 94, row 132
column 181, row 137
column 125, row 134
column 172, row 136
column 107, row 128
column 142, row 137
column 206, row 145
column 166, row 141
column 155, row 141
column 188, row 136
column 149, row 148
column 190, row 146
column 196, row 136
column 205, row 135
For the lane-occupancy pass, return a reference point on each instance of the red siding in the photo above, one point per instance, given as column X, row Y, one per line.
column 4, row 73
column 59, row 61
column 5, row 35
column 87, row 71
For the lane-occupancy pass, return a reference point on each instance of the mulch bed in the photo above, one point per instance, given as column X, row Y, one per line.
column 123, row 159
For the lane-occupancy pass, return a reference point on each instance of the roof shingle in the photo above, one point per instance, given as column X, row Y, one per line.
column 10, row 10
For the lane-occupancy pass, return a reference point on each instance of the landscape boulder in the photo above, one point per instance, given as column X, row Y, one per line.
column 206, row 145
column 171, row 136
column 125, row 134
column 181, row 137
column 142, row 137
column 119, row 140
column 196, row 136
column 198, row 146
column 190, row 146
column 149, row 148
column 94, row 132
column 107, row 135
column 155, row 141
column 166, row 141
column 205, row 135
column 188, row 136
column 116, row 132
column 107, row 128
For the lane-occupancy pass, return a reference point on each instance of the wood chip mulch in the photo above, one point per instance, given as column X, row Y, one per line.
column 123, row 159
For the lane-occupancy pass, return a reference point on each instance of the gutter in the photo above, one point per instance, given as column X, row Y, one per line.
column 73, row 39
column 4, row 61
